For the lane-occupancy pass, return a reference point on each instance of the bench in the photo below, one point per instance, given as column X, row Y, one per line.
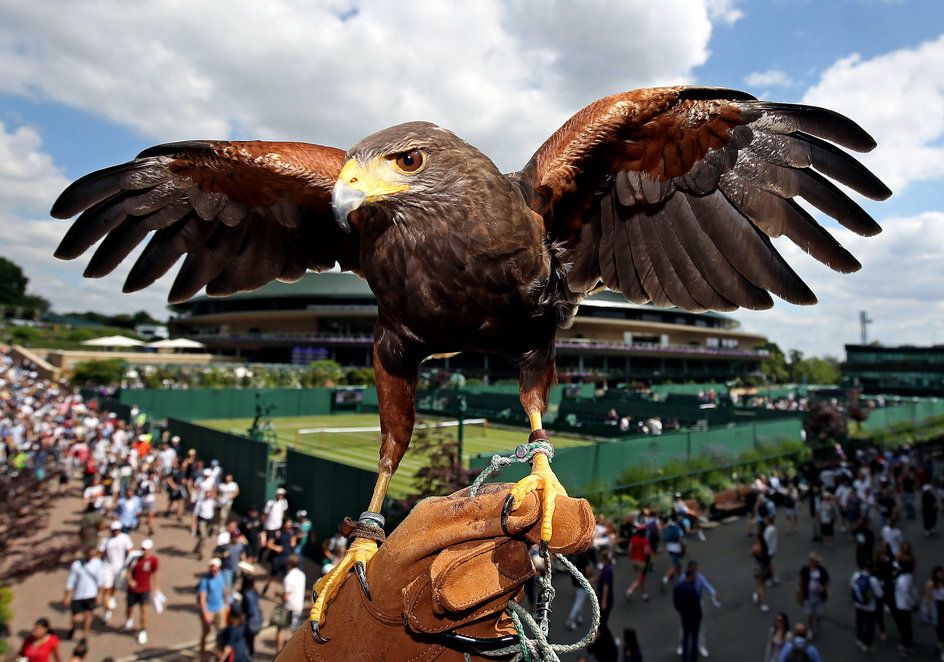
column 730, row 502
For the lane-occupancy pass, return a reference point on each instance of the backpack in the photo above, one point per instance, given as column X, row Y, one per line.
column 672, row 533
column 254, row 618
column 798, row 654
column 862, row 593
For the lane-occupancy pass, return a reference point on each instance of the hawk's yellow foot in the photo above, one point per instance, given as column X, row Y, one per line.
column 358, row 554
column 540, row 478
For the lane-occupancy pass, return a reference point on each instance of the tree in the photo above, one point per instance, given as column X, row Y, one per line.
column 100, row 373
column 13, row 284
column 815, row 370
column 774, row 366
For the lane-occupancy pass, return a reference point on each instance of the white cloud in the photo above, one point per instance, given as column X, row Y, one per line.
column 769, row 78
column 899, row 286
column 332, row 72
column 898, row 98
column 28, row 178
column 29, row 181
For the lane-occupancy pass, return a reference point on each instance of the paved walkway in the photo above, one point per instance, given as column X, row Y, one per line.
column 737, row 631
column 172, row 635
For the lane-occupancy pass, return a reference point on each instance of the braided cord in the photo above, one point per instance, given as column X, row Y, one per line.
column 536, row 648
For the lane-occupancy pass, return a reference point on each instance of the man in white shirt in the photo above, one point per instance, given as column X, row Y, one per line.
column 114, row 550
column 83, row 590
column 227, row 491
column 293, row 598
column 274, row 512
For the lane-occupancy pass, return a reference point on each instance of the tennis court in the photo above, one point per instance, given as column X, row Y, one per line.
column 360, row 448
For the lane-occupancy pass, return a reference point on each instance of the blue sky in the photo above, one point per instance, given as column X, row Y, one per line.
column 90, row 84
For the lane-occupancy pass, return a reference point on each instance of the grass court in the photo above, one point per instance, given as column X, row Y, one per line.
column 360, row 449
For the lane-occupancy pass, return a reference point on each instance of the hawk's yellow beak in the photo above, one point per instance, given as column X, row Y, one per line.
column 358, row 185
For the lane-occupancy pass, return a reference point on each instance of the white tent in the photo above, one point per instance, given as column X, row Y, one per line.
column 112, row 341
column 176, row 343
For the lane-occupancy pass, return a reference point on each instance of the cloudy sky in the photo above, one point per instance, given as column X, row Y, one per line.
column 87, row 85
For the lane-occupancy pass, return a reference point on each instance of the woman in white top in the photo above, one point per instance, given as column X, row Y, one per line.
column 777, row 638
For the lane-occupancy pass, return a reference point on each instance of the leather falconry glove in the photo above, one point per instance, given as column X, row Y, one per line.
column 449, row 569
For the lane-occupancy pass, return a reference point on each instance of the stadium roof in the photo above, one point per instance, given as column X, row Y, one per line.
column 342, row 284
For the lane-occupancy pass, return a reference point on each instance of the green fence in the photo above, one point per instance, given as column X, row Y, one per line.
column 247, row 459
column 903, row 412
column 327, row 490
column 604, row 462
column 209, row 403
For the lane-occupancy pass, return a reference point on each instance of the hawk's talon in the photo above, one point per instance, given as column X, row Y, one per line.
column 357, row 556
column 362, row 578
column 316, row 633
column 543, row 479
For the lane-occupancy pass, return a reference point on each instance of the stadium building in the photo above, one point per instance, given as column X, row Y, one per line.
column 331, row 316
column 907, row 370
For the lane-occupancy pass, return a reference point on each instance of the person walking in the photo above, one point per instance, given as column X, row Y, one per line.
column 806, row 650
column 674, row 537
column 814, row 589
column 114, row 551
column 252, row 607
column 687, row 603
column 934, row 605
column 701, row 585
column 779, row 636
column 583, row 562
column 212, row 599
column 758, row 552
column 640, row 555
column 906, row 601
column 605, row 586
column 770, row 540
column 280, row 546
column 143, row 577
column 929, row 508
column 227, row 491
column 864, row 539
column 204, row 515
column 41, row 645
column 866, row 598
column 293, row 598
column 83, row 590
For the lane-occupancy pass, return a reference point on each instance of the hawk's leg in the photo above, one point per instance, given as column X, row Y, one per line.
column 535, row 383
column 396, row 394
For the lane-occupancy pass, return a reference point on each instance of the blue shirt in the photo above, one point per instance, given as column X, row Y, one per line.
column 213, row 587
column 800, row 642
column 127, row 511
column 702, row 583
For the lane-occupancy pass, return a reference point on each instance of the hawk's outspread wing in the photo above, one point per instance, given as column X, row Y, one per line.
column 670, row 195
column 245, row 213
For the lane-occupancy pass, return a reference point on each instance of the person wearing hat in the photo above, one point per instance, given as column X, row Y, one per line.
column 813, row 587
column 212, row 598
column 143, row 577
column 114, row 551
column 274, row 513
column 227, row 492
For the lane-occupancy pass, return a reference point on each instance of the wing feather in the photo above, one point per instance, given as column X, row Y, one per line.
column 245, row 213
column 690, row 185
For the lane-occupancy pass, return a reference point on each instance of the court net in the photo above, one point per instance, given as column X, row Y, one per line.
column 342, row 436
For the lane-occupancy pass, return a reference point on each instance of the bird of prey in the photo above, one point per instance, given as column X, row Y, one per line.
column 668, row 195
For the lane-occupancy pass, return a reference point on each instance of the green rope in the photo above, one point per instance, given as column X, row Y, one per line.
column 537, row 649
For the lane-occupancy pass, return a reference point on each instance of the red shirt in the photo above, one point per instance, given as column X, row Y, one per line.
column 639, row 548
column 41, row 652
column 141, row 573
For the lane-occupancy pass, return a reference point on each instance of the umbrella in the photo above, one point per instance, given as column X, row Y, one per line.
column 113, row 341
column 176, row 343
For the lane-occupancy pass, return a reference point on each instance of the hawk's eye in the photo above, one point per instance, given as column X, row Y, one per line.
column 411, row 161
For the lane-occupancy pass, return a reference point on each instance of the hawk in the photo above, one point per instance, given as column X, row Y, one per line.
column 669, row 195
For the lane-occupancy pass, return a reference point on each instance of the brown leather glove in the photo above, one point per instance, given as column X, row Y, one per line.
column 448, row 567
